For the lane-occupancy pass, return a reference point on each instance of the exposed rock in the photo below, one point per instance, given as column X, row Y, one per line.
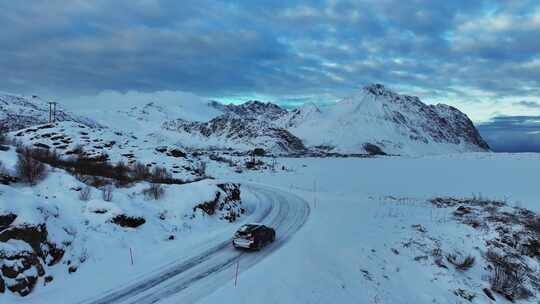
column 258, row 152
column 22, row 268
column 226, row 203
column 24, row 263
column 128, row 221
column 6, row 220
column 161, row 149
column 8, row 179
column 42, row 146
column 177, row 153
column 372, row 149
column 23, row 285
column 238, row 130
column 35, row 236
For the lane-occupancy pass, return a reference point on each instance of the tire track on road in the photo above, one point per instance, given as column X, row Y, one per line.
column 287, row 213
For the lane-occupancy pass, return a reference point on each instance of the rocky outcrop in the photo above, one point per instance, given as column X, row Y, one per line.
column 25, row 250
column 127, row 221
column 253, row 109
column 458, row 125
column 227, row 204
column 232, row 130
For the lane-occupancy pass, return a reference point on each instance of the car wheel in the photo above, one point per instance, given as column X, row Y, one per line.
column 273, row 236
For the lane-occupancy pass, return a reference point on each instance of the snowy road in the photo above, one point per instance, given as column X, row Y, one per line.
column 187, row 280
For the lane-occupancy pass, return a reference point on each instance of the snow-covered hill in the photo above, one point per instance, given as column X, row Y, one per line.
column 17, row 112
column 142, row 113
column 70, row 139
column 55, row 238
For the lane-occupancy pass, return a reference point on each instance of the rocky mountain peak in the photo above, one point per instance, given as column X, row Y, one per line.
column 378, row 89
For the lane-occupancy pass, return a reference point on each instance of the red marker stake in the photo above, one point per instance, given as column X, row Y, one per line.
column 236, row 276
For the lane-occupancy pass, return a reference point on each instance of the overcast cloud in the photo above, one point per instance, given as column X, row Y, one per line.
column 481, row 56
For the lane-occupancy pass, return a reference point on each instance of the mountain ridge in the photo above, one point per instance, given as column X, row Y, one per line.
column 372, row 116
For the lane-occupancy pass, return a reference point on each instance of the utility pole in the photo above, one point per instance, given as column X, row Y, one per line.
column 52, row 111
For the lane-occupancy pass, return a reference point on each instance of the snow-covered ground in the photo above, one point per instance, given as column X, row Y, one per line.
column 363, row 210
column 99, row 250
column 514, row 177
column 369, row 236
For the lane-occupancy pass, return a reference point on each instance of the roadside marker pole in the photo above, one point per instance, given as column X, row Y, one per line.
column 131, row 255
column 315, row 193
column 236, row 275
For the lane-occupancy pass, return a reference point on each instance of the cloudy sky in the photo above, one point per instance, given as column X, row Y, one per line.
column 480, row 56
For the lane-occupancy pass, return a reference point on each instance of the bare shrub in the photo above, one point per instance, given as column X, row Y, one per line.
column 85, row 194
column 84, row 166
column 140, row 171
column 218, row 158
column 54, row 158
column 29, row 168
column 155, row 191
column 160, row 174
column 508, row 277
column 3, row 169
column 438, row 257
column 464, row 294
column 462, row 263
column 107, row 193
column 94, row 181
column 2, row 134
column 120, row 170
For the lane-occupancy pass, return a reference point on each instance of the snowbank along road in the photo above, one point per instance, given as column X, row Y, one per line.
column 189, row 279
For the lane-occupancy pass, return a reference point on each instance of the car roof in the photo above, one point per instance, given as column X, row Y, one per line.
column 250, row 227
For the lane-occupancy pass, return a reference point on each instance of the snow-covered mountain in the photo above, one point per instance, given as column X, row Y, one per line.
column 18, row 112
column 397, row 124
column 373, row 120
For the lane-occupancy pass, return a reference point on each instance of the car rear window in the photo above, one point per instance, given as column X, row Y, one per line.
column 246, row 229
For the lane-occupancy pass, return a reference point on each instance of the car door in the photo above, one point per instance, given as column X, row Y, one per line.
column 267, row 235
column 261, row 235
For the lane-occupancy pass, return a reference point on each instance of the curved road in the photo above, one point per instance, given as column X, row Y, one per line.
column 191, row 279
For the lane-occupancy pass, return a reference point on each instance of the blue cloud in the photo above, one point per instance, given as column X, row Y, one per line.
column 512, row 133
column 528, row 104
column 235, row 48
